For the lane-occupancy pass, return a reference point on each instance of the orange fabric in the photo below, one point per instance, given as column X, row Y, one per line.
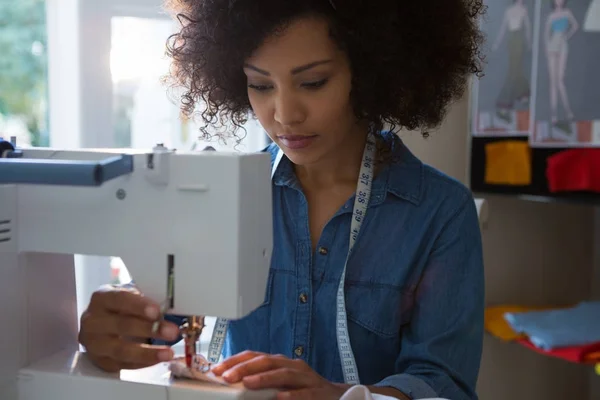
column 593, row 357
column 497, row 325
column 508, row 162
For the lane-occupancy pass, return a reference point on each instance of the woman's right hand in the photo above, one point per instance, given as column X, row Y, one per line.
column 116, row 327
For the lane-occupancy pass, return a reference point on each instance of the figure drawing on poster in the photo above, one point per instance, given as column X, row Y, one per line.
column 516, row 27
column 568, row 82
column 504, row 110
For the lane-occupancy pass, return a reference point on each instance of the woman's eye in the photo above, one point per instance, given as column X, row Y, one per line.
column 259, row 88
column 315, row 85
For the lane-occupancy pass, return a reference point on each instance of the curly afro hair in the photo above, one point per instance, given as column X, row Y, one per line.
column 409, row 58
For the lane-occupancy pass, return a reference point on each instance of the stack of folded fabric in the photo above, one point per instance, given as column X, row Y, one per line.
column 572, row 334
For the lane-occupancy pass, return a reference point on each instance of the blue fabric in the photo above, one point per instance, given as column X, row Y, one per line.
column 560, row 24
column 414, row 284
column 552, row 329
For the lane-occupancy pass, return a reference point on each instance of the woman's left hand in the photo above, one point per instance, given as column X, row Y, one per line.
column 294, row 378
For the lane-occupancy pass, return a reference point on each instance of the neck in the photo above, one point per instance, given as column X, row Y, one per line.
column 339, row 168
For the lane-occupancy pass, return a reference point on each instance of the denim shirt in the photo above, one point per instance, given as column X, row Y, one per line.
column 414, row 284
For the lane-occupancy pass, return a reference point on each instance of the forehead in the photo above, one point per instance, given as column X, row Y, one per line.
column 302, row 41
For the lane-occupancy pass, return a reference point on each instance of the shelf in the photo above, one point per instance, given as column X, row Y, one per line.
column 586, row 199
column 538, row 189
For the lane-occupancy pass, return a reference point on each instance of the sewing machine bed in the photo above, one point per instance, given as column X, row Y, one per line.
column 70, row 375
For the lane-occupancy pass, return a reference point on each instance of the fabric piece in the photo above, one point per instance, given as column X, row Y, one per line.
column 576, row 354
column 575, row 326
column 360, row 392
column 508, row 162
column 496, row 324
column 180, row 370
column 574, row 170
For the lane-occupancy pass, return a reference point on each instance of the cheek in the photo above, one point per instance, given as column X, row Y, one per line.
column 332, row 107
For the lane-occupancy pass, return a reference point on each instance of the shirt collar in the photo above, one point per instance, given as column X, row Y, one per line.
column 402, row 178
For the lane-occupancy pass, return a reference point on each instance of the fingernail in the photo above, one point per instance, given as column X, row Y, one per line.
column 169, row 332
column 231, row 376
column 152, row 312
column 165, row 355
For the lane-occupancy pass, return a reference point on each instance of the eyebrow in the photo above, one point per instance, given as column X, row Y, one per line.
column 294, row 71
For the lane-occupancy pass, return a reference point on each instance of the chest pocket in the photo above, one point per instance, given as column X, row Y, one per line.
column 380, row 309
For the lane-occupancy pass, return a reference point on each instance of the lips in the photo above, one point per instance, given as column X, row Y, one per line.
column 296, row 142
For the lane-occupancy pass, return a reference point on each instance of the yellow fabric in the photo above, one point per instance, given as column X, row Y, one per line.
column 508, row 162
column 497, row 325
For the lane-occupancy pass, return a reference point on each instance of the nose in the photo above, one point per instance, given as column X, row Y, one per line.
column 288, row 109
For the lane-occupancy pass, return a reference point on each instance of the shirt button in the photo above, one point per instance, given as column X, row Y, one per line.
column 323, row 251
column 298, row 351
column 303, row 298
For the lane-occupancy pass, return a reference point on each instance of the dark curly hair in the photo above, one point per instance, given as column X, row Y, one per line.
column 409, row 58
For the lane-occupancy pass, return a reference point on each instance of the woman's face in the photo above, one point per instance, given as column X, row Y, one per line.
column 299, row 86
column 559, row 3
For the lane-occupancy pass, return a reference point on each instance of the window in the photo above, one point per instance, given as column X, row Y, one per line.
column 23, row 81
column 143, row 115
column 145, row 109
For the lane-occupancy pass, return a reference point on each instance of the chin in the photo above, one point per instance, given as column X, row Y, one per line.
column 301, row 157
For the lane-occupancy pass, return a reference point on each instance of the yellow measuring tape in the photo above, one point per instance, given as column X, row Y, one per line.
column 598, row 369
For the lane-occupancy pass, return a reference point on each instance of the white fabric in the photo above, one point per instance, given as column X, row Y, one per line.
column 360, row 392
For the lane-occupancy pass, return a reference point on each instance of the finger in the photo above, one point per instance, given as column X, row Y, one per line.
column 116, row 324
column 234, row 360
column 282, row 378
column 124, row 302
column 127, row 352
column 258, row 364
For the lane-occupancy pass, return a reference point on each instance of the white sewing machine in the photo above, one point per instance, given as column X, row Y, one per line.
column 206, row 217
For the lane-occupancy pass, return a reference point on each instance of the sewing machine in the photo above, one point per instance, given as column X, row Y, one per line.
column 202, row 219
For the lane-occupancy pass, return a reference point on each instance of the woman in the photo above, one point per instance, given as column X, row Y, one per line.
column 516, row 86
column 324, row 78
column 561, row 25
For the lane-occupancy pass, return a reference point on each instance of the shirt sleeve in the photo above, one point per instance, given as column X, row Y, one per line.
column 442, row 345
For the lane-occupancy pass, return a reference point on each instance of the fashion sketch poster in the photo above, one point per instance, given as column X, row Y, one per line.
column 567, row 108
column 502, row 98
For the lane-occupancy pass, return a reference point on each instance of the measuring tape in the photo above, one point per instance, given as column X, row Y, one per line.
column 361, row 202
